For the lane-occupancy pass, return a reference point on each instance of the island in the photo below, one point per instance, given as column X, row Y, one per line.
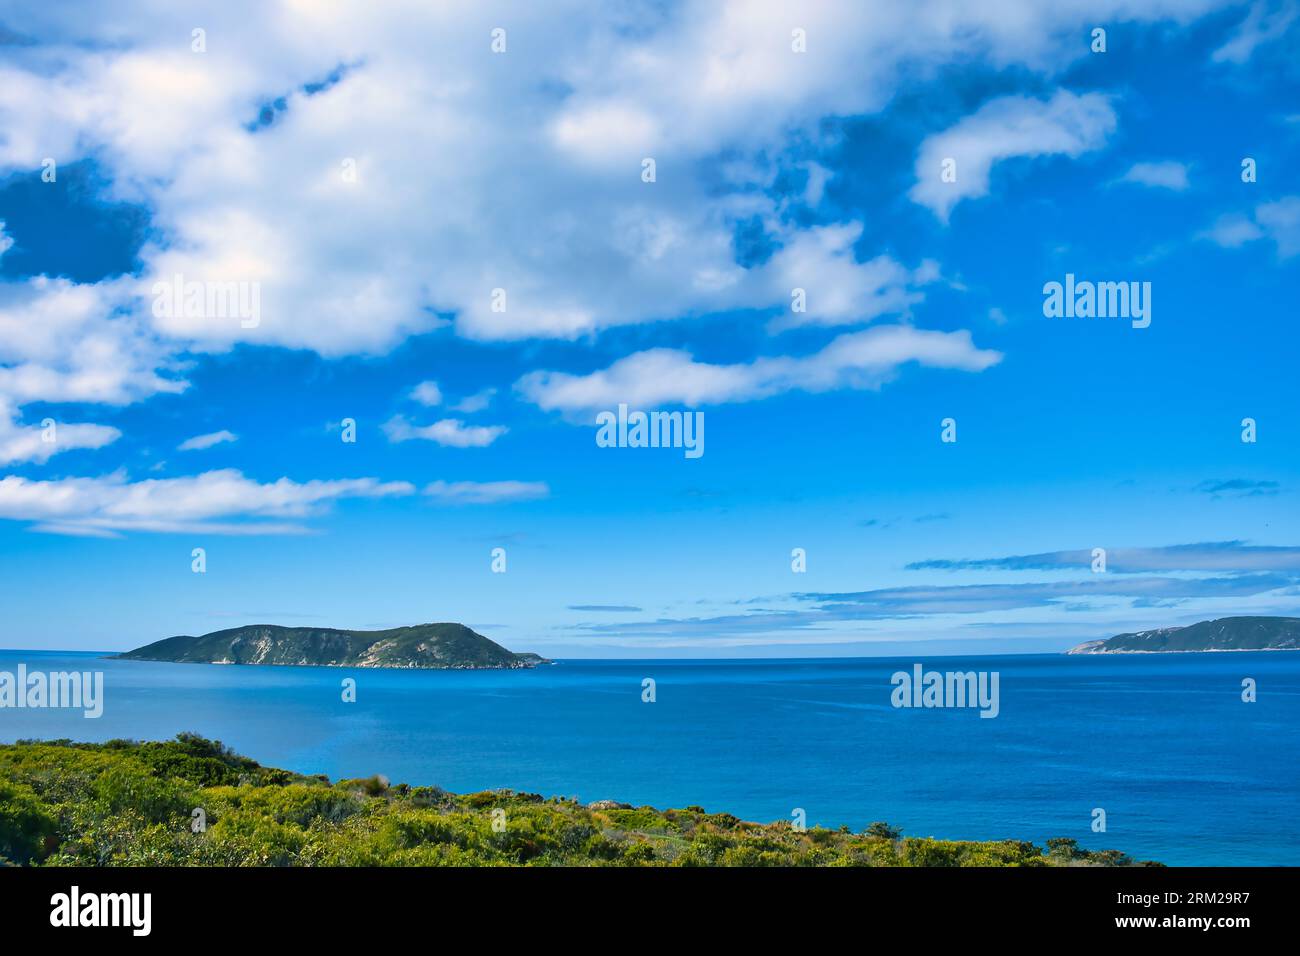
column 445, row 646
column 1225, row 634
column 194, row 802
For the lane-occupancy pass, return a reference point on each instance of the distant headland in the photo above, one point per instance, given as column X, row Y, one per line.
column 445, row 646
column 1225, row 634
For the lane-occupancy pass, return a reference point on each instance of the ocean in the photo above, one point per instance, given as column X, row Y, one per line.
column 1184, row 770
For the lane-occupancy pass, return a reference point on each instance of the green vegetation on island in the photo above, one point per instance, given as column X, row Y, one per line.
column 451, row 646
column 193, row 802
column 1225, row 634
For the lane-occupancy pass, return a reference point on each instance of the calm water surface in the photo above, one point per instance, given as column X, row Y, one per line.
column 1186, row 772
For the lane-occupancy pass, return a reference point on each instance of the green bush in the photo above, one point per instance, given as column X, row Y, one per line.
column 129, row 804
column 27, row 827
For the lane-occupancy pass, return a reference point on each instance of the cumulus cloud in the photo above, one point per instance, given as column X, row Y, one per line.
column 837, row 289
column 406, row 173
column 711, row 74
column 1280, row 221
column 1009, row 127
column 449, row 431
column 486, row 492
column 1277, row 220
column 216, row 502
column 427, row 394
column 199, row 442
column 541, row 196
column 570, row 247
column 1163, row 175
column 38, row 443
column 862, row 360
column 62, row 341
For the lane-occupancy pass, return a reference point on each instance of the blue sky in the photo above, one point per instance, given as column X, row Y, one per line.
column 377, row 174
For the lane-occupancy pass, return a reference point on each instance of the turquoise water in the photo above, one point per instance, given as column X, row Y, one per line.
column 1186, row 772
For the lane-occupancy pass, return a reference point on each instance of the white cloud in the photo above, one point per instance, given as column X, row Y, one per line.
column 1164, row 175
column 1233, row 230
column 486, row 492
column 1280, row 221
column 540, row 196
column 1277, row 220
column 477, row 172
column 608, row 132
column 449, row 431
column 839, row 290
column 6, row 241
column 714, row 74
column 1260, row 26
column 476, row 402
column 61, row 341
column 37, row 443
column 427, row 394
column 199, row 442
column 1009, row 127
column 216, row 502
column 815, row 188
column 863, row 360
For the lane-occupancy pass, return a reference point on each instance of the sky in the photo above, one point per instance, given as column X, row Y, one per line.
column 462, row 231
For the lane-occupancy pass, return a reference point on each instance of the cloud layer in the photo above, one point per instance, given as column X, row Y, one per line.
column 215, row 502
column 669, row 376
column 307, row 152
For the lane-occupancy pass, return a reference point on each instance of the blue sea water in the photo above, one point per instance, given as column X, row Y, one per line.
column 1186, row 772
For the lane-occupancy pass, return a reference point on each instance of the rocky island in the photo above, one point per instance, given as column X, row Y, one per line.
column 447, row 646
column 1225, row 634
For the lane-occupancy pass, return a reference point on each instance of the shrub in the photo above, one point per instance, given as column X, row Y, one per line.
column 27, row 828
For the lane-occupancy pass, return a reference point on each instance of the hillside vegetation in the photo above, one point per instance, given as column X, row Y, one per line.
column 452, row 646
column 1224, row 634
column 124, row 803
